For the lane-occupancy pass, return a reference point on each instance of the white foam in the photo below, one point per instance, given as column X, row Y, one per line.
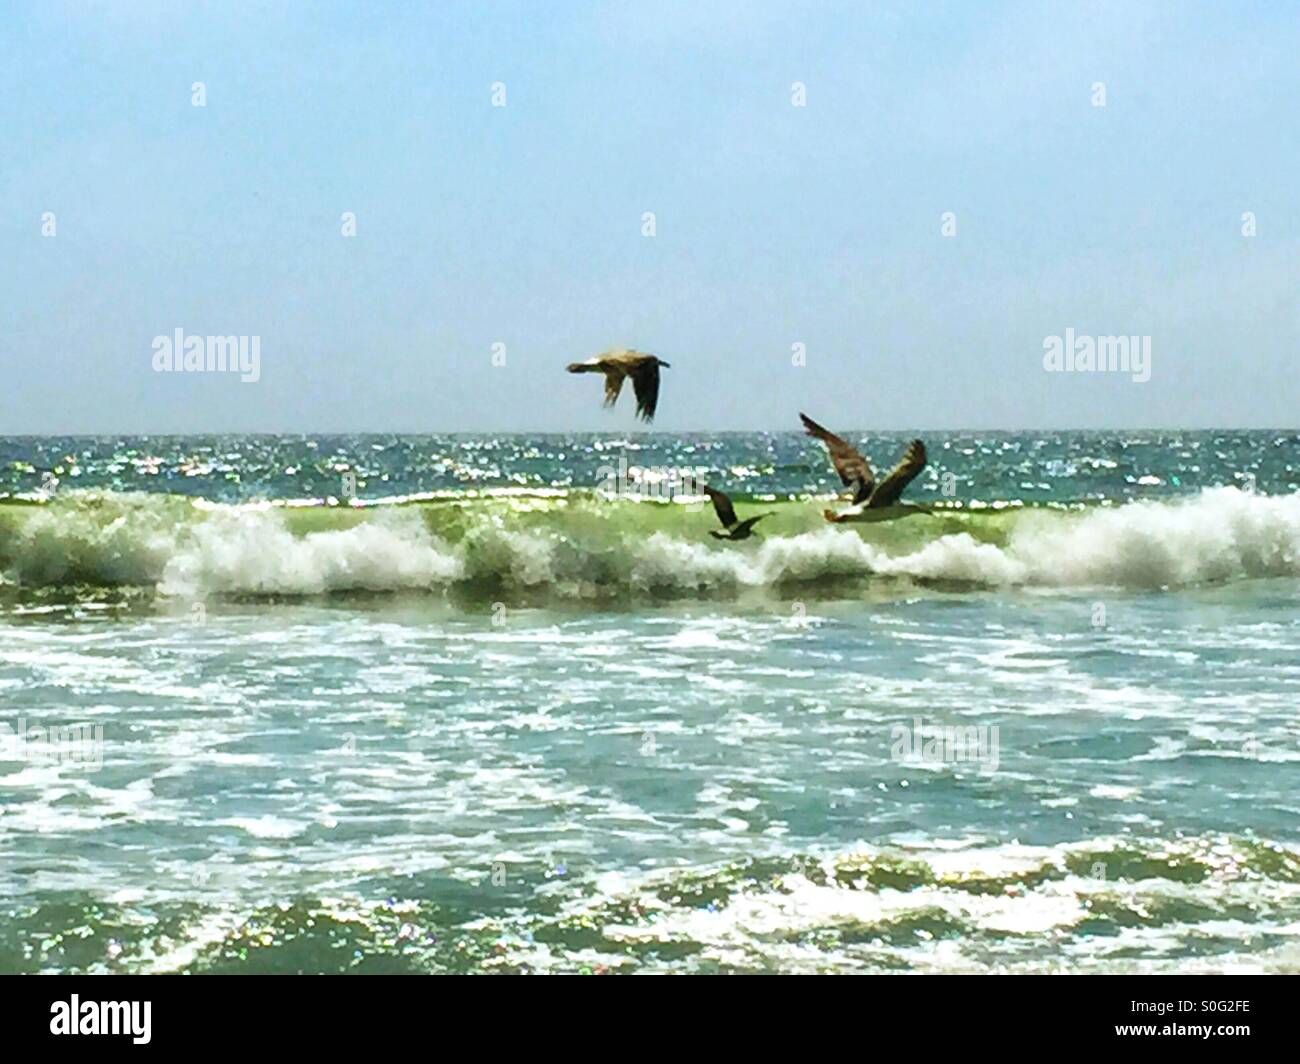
column 1221, row 534
column 252, row 551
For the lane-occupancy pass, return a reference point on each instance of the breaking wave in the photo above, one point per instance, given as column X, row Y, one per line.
column 582, row 546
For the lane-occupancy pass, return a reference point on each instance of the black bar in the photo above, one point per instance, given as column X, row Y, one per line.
column 336, row 1014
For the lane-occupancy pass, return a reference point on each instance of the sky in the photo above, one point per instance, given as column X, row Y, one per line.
column 523, row 225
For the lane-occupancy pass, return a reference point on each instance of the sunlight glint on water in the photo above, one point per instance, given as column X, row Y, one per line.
column 567, row 733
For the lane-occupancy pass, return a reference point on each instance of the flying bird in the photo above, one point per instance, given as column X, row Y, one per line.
column 617, row 365
column 727, row 515
column 855, row 472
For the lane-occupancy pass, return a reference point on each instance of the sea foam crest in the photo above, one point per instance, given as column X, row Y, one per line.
column 1220, row 534
column 252, row 552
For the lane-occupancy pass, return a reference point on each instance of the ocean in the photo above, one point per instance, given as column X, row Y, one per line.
column 378, row 703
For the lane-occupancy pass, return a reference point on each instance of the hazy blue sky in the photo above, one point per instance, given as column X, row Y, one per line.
column 522, row 224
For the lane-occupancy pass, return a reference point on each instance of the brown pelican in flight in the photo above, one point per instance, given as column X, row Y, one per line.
column 855, row 472
column 617, row 365
column 727, row 515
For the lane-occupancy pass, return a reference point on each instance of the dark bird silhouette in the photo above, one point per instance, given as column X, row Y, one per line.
column 617, row 365
column 855, row 472
column 727, row 515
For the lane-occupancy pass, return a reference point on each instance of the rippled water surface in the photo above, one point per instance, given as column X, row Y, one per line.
column 988, row 465
column 568, row 732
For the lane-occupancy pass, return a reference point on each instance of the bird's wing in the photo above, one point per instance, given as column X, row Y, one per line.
column 721, row 505
column 614, row 377
column 645, row 381
column 849, row 463
column 891, row 488
column 749, row 523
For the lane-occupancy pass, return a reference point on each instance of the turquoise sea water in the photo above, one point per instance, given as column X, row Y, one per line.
column 480, row 716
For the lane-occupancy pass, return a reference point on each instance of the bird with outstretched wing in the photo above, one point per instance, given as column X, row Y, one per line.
column 855, row 472
column 735, row 529
column 620, row 364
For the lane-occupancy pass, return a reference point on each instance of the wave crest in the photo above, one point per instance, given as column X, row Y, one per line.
column 254, row 553
column 574, row 547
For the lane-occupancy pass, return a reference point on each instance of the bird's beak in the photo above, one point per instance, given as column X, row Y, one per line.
column 663, row 363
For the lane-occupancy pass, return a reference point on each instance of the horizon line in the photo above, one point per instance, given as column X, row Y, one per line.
column 617, row 432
